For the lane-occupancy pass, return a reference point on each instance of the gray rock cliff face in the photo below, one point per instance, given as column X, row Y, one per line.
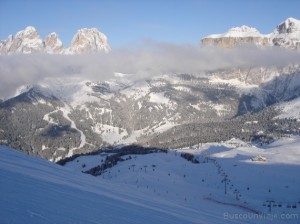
column 232, row 42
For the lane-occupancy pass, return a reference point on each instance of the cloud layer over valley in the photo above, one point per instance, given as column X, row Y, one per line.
column 143, row 63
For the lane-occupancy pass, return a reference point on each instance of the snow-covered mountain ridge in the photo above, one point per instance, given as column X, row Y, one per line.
column 58, row 118
column 286, row 34
column 28, row 41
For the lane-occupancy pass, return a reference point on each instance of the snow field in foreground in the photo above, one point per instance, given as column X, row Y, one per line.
column 158, row 187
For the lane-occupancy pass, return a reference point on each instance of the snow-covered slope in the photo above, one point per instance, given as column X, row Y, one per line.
column 36, row 191
column 164, row 187
column 28, row 41
column 198, row 186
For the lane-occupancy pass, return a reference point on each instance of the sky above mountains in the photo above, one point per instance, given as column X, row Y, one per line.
column 131, row 22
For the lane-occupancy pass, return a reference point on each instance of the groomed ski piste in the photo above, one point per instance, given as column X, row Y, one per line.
column 234, row 182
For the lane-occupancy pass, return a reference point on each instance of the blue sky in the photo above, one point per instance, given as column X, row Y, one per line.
column 127, row 23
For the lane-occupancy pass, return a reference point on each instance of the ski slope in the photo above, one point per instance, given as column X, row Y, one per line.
column 157, row 187
column 199, row 186
column 37, row 191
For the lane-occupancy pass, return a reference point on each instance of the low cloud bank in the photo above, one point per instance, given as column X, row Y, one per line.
column 143, row 62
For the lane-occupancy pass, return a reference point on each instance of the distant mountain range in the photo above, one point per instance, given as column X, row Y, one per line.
column 61, row 117
column 286, row 34
column 28, row 41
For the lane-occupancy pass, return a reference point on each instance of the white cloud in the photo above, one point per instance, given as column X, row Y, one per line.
column 144, row 62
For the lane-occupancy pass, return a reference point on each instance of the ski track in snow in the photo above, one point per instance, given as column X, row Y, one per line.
column 49, row 119
column 66, row 111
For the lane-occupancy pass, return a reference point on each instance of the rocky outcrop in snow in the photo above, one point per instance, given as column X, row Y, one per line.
column 88, row 40
column 28, row 41
column 237, row 36
column 53, row 44
column 24, row 42
column 286, row 34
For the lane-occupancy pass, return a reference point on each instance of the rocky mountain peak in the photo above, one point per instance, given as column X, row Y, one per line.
column 286, row 34
column 236, row 36
column 53, row 44
column 29, row 32
column 290, row 25
column 88, row 40
column 24, row 42
column 28, row 41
